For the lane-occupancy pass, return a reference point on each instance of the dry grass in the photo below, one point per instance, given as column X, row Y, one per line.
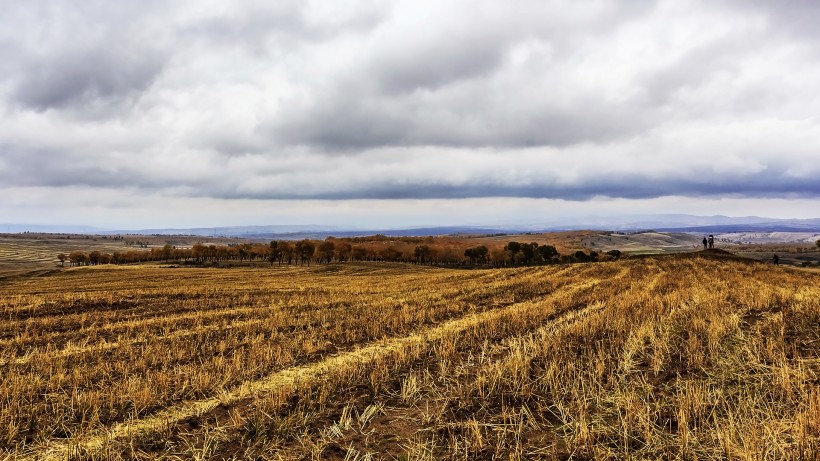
column 677, row 357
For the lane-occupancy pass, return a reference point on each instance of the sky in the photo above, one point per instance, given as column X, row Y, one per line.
column 147, row 113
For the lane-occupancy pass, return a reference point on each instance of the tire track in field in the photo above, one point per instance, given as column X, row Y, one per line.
column 142, row 313
column 78, row 349
column 156, row 321
column 211, row 314
column 71, row 350
column 301, row 375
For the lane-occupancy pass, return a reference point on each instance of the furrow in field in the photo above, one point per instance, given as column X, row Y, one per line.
column 72, row 350
column 433, row 309
column 160, row 320
column 297, row 376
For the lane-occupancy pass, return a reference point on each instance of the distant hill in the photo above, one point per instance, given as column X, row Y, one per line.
column 313, row 232
column 666, row 223
column 16, row 228
column 236, row 231
column 808, row 225
column 630, row 223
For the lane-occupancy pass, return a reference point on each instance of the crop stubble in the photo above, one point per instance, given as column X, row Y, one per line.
column 677, row 356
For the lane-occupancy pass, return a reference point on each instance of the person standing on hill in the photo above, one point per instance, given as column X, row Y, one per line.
column 711, row 241
column 775, row 259
column 705, row 242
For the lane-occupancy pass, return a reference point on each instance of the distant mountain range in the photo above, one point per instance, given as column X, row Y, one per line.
column 753, row 227
column 312, row 232
column 11, row 228
column 634, row 223
column 719, row 224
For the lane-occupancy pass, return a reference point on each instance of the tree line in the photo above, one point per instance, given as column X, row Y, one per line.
column 305, row 252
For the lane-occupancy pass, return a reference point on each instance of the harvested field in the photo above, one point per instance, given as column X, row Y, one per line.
column 679, row 356
column 37, row 254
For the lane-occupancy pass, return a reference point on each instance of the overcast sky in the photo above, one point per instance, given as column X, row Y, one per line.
column 394, row 113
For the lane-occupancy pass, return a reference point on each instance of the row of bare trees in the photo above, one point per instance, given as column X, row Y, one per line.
column 305, row 252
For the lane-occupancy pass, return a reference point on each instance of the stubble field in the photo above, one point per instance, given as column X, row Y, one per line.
column 670, row 357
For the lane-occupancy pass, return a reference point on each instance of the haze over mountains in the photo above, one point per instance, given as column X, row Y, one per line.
column 670, row 222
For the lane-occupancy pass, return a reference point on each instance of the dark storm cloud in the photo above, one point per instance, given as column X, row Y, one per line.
column 695, row 67
column 92, row 57
column 455, row 82
column 453, row 55
column 351, row 123
column 57, row 168
column 627, row 185
column 423, row 100
column 631, row 187
column 86, row 78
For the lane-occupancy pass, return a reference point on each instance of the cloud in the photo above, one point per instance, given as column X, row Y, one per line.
column 405, row 100
column 94, row 59
column 273, row 28
column 470, row 75
column 70, row 80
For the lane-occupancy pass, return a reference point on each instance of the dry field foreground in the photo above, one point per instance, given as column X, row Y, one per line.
column 678, row 357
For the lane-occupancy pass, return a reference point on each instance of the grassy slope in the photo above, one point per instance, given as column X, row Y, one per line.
column 679, row 356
